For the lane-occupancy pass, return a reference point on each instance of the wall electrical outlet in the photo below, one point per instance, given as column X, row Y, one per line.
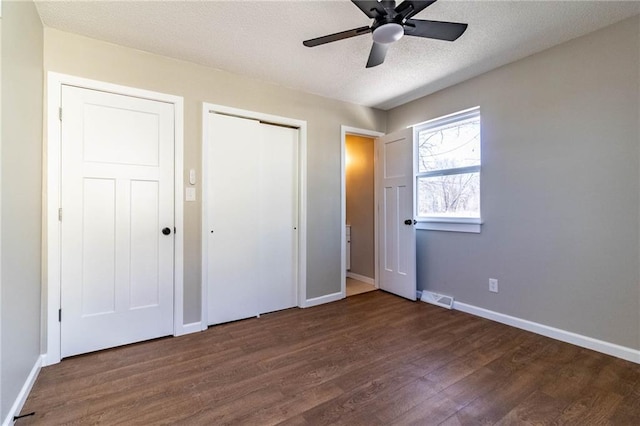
column 493, row 285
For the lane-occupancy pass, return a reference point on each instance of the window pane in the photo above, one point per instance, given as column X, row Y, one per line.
column 449, row 196
column 449, row 147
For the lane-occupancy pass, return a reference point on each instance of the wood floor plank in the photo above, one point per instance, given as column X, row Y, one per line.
column 628, row 412
column 569, row 380
column 492, row 406
column 537, row 409
column 476, row 384
column 292, row 405
column 591, row 407
column 373, row 359
column 360, row 398
column 403, row 400
column 432, row 411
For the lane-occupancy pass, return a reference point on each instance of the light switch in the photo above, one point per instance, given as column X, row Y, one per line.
column 192, row 176
column 190, row 194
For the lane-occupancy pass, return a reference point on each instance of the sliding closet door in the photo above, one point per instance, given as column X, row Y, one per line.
column 252, row 218
column 232, row 224
column 278, row 217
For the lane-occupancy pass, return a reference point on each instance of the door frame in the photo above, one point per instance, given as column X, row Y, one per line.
column 301, row 126
column 52, row 289
column 344, row 131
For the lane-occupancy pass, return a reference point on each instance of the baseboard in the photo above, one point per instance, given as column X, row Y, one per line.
column 24, row 392
column 48, row 359
column 360, row 278
column 322, row 300
column 192, row 327
column 608, row 348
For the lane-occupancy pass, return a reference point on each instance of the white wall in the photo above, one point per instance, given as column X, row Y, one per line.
column 22, row 42
column 560, row 188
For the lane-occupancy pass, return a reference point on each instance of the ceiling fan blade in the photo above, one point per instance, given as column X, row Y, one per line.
column 378, row 52
column 337, row 36
column 408, row 8
column 448, row 31
column 371, row 8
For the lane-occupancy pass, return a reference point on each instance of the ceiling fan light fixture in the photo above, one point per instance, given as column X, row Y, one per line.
column 390, row 24
column 388, row 33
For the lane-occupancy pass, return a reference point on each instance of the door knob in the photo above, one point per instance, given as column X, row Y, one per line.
column 409, row 222
column 166, row 231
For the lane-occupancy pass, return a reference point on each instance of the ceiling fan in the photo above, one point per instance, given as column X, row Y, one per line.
column 390, row 23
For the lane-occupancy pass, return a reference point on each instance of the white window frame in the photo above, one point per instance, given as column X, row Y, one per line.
column 434, row 223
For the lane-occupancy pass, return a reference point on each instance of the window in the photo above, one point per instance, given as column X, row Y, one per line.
column 448, row 172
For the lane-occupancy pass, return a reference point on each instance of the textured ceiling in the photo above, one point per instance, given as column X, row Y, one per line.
column 263, row 39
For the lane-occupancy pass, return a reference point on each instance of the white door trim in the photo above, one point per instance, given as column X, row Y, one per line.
column 344, row 131
column 51, row 228
column 301, row 125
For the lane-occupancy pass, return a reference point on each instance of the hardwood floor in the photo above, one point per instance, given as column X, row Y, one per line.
column 371, row 359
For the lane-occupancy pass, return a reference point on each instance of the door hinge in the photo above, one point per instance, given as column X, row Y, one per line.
column 59, row 315
column 60, row 214
column 60, row 113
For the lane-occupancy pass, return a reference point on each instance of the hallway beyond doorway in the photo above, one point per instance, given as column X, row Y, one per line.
column 357, row 287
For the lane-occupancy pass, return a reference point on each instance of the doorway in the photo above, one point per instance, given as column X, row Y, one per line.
column 359, row 214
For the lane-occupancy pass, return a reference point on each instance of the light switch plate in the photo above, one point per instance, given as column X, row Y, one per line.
column 190, row 194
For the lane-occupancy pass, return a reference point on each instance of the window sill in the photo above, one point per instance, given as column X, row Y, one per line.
column 451, row 225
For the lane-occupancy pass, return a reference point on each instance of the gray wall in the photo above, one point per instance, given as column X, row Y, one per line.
column 560, row 188
column 22, row 44
column 81, row 56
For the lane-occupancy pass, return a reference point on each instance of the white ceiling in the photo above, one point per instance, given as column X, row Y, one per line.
column 263, row 39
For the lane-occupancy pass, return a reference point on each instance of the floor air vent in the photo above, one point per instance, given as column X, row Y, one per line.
column 437, row 299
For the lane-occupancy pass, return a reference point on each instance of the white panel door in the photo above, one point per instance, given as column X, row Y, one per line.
column 252, row 218
column 396, row 230
column 117, row 196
